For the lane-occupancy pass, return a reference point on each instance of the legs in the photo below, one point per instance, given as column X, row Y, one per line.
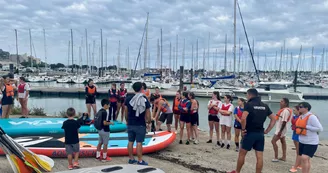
column 223, row 132
column 237, row 134
column 217, row 130
column 70, row 159
column 76, row 157
column 25, row 107
column 6, row 111
column 284, row 148
column 195, row 131
column 259, row 161
column 298, row 158
column 130, row 150
column 228, row 130
column 188, row 130
column 275, row 146
column 21, row 102
column 182, row 124
column 176, row 121
column 211, row 125
column 139, row 151
column 89, row 109
column 94, row 108
column 306, row 165
column 241, row 160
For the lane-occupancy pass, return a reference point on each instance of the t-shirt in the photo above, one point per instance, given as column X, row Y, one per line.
column 258, row 112
column 231, row 108
column 105, row 116
column 283, row 117
column 133, row 120
column 26, row 88
column 71, row 128
column 235, row 112
column 218, row 103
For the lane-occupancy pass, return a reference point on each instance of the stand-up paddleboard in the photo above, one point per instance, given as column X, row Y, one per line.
column 17, row 127
column 117, row 146
column 116, row 169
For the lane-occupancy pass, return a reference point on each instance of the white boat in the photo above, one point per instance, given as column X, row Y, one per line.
column 272, row 92
column 207, row 92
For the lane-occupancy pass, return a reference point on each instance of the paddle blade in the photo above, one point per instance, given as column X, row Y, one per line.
column 20, row 165
column 42, row 163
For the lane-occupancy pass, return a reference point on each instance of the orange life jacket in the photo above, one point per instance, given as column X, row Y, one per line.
column 225, row 108
column 9, row 90
column 91, row 90
column 280, row 111
column 176, row 104
column 146, row 92
column 213, row 111
column 301, row 125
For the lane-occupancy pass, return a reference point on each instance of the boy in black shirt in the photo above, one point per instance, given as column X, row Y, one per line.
column 72, row 146
column 104, row 132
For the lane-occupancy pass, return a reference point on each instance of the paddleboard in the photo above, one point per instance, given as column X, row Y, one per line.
column 117, row 146
column 117, row 169
column 17, row 127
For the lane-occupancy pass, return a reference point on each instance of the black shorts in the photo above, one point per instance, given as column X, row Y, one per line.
column 7, row 101
column 176, row 112
column 90, row 100
column 194, row 120
column 185, row 118
column 253, row 140
column 166, row 116
column 214, row 118
column 121, row 101
column 307, row 149
column 237, row 124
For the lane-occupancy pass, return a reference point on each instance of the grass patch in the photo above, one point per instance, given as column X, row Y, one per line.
column 36, row 111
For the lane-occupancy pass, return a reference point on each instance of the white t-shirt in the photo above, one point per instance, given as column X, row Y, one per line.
column 283, row 117
column 26, row 88
column 213, row 102
column 231, row 108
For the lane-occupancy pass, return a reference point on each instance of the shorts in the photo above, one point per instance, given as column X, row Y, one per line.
column 176, row 112
column 253, row 140
column 185, row 118
column 295, row 137
column 226, row 121
column 194, row 120
column 103, row 137
column 214, row 118
column 237, row 125
column 121, row 101
column 137, row 133
column 90, row 100
column 7, row 101
column 166, row 116
column 72, row 148
column 306, row 149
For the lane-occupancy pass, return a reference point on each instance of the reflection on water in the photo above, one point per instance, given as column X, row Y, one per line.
column 53, row 106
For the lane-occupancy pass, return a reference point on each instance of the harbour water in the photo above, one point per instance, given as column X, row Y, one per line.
column 53, row 106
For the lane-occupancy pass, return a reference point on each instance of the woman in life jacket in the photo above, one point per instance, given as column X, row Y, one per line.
column 226, row 111
column 162, row 106
column 194, row 120
column 23, row 90
column 238, row 114
column 295, row 137
column 175, row 108
column 185, row 118
column 307, row 127
column 113, row 99
column 213, row 118
column 154, row 108
column 7, row 89
column 90, row 97
column 122, row 93
column 146, row 91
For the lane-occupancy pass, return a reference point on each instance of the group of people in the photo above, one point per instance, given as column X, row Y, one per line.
column 8, row 87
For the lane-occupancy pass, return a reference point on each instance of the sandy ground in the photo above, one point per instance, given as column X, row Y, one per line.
column 205, row 158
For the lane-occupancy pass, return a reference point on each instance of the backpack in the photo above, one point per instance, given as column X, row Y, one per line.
column 98, row 120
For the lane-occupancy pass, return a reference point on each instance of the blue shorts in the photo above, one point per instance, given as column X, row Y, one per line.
column 137, row 133
column 307, row 149
column 253, row 140
column 237, row 125
column 295, row 137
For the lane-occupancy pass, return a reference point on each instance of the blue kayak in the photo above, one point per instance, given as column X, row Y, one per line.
column 17, row 127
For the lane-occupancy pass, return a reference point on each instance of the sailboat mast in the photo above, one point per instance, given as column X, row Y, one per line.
column 69, row 48
column 239, row 56
column 17, row 50
column 208, row 50
column 170, row 57
column 118, row 57
column 176, row 53
column 72, row 49
column 161, row 54
column 86, row 48
column 146, row 43
column 225, row 55
column 234, row 30
column 101, row 52
column 106, row 64
column 183, row 53
column 45, row 48
column 197, row 54
column 31, row 47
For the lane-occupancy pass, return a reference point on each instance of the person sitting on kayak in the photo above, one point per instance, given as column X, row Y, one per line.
column 162, row 105
column 72, row 143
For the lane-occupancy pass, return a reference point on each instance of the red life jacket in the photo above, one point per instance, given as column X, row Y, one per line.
column 294, row 120
column 225, row 108
column 212, row 111
column 21, row 88
column 91, row 90
column 184, row 105
column 121, row 93
column 239, row 112
column 112, row 97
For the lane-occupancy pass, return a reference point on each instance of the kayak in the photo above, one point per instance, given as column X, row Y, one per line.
column 117, row 146
column 16, row 127
column 116, row 169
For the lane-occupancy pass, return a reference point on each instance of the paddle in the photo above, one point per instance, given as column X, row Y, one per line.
column 17, row 152
column 5, row 150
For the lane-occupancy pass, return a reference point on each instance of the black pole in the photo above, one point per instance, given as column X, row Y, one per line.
column 181, row 77
column 17, row 52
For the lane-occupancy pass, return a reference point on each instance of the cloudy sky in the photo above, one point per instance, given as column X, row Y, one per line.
column 268, row 23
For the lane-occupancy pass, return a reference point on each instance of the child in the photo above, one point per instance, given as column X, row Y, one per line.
column 71, row 128
column 104, row 132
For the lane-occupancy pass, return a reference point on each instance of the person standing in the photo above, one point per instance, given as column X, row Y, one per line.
column 146, row 91
column 282, row 117
column 137, row 113
column 23, row 90
column 162, row 105
column 295, row 139
column 213, row 118
column 90, row 97
column 122, row 93
column 194, row 120
column 176, row 111
column 7, row 89
column 252, row 121
column 226, row 111
column 238, row 114
column 113, row 98
column 184, row 107
column 308, row 127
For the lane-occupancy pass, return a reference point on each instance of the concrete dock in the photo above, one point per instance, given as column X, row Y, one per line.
column 103, row 93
